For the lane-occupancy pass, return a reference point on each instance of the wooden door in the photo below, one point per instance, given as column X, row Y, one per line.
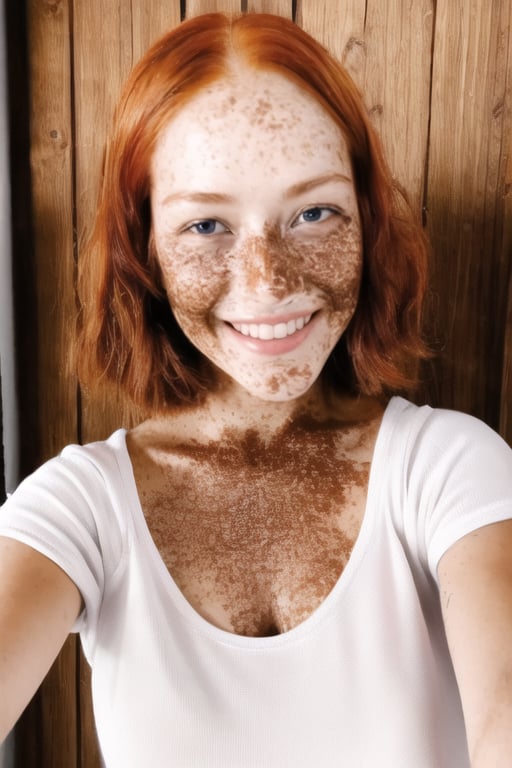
column 437, row 78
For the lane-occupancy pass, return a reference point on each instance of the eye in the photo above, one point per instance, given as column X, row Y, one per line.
column 314, row 215
column 207, row 227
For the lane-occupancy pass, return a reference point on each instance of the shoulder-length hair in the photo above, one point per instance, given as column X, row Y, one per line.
column 127, row 332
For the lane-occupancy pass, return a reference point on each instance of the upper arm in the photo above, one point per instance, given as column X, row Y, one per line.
column 475, row 577
column 38, row 606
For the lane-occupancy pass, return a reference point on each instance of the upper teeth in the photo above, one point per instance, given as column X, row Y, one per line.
column 267, row 332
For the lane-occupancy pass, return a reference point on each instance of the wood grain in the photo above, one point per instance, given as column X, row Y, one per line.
column 150, row 19
column 103, row 40
column 52, row 202
column 470, row 123
column 397, row 86
column 340, row 28
column 277, row 7
column 197, row 7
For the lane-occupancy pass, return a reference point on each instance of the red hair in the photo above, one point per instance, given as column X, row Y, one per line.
column 128, row 334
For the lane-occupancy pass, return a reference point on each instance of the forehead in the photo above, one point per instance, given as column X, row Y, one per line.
column 259, row 96
column 250, row 117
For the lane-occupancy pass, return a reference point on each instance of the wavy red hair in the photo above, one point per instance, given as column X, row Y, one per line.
column 127, row 331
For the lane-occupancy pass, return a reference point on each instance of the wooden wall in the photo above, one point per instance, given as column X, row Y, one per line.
column 437, row 77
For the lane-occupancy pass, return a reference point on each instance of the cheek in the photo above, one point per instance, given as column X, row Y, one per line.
column 196, row 279
column 193, row 280
column 334, row 266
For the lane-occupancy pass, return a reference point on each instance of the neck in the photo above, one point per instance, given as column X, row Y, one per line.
column 238, row 413
column 234, row 408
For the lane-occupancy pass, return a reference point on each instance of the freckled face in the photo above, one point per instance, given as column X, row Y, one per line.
column 257, row 232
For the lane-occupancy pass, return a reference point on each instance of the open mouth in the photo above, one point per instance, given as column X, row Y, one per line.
column 267, row 332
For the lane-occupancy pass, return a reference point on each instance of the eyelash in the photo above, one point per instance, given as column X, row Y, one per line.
column 320, row 208
column 192, row 227
column 315, row 208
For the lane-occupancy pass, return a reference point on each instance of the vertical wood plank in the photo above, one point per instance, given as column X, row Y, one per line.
column 52, row 201
column 47, row 735
column 197, row 7
column 151, row 18
column 103, row 48
column 398, row 38
column 103, row 58
column 340, row 28
column 469, row 127
column 277, row 7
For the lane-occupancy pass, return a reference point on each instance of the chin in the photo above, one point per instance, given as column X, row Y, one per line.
column 280, row 392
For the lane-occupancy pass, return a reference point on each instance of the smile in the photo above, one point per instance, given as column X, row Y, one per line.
column 267, row 332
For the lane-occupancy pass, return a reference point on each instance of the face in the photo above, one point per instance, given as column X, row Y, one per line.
column 256, row 229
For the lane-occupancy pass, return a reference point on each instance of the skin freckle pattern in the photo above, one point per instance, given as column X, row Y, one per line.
column 269, row 552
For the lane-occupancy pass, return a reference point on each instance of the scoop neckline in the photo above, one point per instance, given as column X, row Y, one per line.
column 323, row 611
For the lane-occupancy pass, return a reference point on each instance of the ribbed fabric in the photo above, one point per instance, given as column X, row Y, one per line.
column 365, row 681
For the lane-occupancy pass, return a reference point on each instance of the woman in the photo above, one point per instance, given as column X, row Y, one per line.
column 283, row 564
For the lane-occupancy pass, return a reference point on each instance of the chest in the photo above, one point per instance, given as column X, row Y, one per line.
column 256, row 539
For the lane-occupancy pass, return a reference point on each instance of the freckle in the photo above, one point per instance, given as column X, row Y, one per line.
column 271, row 515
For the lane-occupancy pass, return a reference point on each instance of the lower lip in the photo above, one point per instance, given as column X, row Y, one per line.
column 272, row 347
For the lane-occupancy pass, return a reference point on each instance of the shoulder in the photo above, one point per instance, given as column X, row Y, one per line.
column 442, row 452
column 452, row 474
column 431, row 435
column 78, row 490
column 99, row 453
column 77, row 469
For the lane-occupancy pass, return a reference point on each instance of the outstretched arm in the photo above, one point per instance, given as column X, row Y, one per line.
column 475, row 577
column 38, row 605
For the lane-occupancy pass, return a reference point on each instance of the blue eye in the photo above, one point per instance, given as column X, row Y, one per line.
column 314, row 215
column 207, row 227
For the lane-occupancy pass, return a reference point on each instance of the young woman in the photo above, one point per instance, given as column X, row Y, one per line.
column 284, row 564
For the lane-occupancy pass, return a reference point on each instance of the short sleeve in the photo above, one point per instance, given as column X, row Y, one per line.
column 56, row 511
column 460, row 479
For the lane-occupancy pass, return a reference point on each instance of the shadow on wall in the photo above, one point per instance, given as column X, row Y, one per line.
column 466, row 318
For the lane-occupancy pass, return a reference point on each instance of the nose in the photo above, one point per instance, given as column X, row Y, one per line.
column 269, row 267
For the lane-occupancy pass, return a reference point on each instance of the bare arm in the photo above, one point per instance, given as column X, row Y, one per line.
column 38, row 605
column 476, row 593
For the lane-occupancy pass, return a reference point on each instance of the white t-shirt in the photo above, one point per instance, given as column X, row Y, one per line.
column 365, row 681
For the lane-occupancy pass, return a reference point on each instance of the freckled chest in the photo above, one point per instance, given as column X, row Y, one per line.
column 256, row 536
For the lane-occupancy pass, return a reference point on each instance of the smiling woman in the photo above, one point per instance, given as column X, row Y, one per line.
column 262, row 280
column 382, row 344
column 285, row 556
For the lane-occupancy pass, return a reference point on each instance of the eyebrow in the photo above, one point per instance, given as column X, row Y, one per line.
column 294, row 191
column 199, row 197
column 318, row 181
